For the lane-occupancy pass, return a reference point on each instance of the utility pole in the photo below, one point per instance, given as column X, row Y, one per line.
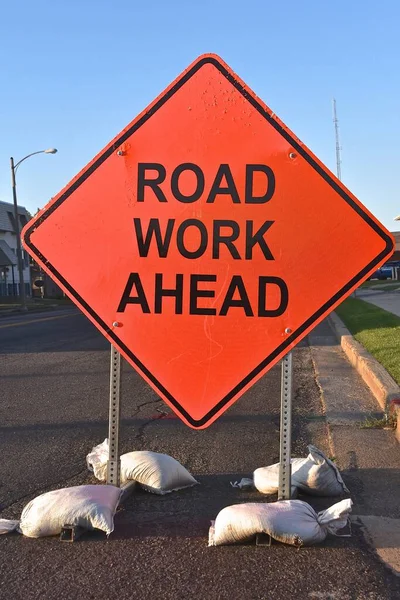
column 22, row 294
column 14, row 167
column 338, row 151
column 338, row 156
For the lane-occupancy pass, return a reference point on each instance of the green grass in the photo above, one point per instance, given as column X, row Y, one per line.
column 386, row 422
column 376, row 329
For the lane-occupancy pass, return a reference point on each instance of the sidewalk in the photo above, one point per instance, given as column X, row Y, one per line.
column 388, row 300
column 368, row 458
column 6, row 311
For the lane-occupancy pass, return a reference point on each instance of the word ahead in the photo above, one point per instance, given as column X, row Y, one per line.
column 231, row 300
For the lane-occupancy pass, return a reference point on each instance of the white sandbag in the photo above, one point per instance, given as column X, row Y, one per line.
column 266, row 479
column 244, row 484
column 87, row 506
column 288, row 521
column 155, row 472
column 315, row 475
column 7, row 525
column 97, row 459
column 247, row 484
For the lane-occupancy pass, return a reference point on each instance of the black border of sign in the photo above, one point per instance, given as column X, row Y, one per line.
column 299, row 148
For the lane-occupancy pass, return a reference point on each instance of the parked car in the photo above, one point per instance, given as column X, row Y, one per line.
column 386, row 270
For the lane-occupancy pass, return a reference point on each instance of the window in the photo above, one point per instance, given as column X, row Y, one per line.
column 12, row 221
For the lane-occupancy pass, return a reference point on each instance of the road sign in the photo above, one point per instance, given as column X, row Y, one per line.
column 205, row 241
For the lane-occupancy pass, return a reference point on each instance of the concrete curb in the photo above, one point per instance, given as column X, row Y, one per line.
column 395, row 407
column 381, row 384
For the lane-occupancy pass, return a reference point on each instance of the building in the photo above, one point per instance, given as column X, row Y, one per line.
column 9, row 273
column 396, row 255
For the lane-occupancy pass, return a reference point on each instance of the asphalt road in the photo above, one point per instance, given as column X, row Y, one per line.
column 53, row 410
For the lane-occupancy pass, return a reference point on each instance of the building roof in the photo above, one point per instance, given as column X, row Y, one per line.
column 7, row 256
column 7, row 216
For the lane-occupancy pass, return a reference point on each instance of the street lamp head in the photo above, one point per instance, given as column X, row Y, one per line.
column 50, row 151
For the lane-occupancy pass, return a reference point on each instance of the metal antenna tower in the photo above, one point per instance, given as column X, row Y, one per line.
column 338, row 148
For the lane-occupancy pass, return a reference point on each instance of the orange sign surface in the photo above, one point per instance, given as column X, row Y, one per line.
column 205, row 241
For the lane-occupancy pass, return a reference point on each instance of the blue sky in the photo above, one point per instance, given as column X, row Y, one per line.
column 75, row 72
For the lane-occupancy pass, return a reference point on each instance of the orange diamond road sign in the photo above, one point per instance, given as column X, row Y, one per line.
column 205, row 241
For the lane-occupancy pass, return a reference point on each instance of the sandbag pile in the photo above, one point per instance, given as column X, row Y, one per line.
column 315, row 475
column 288, row 521
column 156, row 473
column 87, row 506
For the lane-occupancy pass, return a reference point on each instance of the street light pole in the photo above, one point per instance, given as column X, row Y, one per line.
column 22, row 293
column 14, row 167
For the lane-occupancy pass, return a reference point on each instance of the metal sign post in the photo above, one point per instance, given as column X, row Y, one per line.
column 285, row 467
column 113, row 466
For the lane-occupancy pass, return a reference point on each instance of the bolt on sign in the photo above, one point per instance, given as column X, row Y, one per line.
column 205, row 241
